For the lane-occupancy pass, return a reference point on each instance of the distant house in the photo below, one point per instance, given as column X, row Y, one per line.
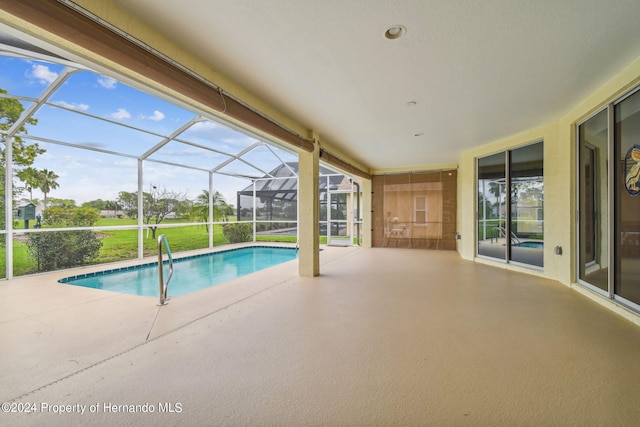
column 111, row 213
column 278, row 191
column 276, row 202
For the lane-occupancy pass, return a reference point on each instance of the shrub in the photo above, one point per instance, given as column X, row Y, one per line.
column 63, row 249
column 236, row 233
column 53, row 250
column 56, row 216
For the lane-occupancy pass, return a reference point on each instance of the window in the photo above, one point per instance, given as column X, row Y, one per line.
column 420, row 211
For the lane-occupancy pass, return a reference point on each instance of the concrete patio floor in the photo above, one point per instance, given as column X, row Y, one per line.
column 383, row 337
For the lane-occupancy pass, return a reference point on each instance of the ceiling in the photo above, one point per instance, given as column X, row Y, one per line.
column 477, row 71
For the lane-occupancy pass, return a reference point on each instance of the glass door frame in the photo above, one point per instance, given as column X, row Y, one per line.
column 612, row 169
column 609, row 293
column 508, row 228
column 507, row 223
column 615, row 234
column 591, row 257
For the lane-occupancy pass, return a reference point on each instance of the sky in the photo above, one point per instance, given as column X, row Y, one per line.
column 86, row 175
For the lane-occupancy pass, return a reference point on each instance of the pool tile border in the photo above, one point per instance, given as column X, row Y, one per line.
column 153, row 264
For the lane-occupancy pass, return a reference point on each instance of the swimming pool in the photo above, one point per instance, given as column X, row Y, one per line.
column 190, row 273
column 530, row 244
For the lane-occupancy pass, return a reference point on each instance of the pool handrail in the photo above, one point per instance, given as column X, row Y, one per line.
column 163, row 286
column 503, row 233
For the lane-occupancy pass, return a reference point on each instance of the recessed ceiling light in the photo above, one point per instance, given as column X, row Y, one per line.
column 395, row 32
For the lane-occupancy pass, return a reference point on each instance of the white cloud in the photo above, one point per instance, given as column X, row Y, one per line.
column 156, row 117
column 121, row 114
column 74, row 106
column 204, row 126
column 107, row 82
column 43, row 74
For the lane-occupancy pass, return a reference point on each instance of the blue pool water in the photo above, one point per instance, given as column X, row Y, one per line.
column 189, row 273
column 535, row 245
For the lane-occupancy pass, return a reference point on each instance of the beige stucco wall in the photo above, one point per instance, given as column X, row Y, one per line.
column 557, row 159
column 559, row 180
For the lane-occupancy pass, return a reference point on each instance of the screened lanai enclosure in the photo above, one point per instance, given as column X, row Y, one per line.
column 98, row 167
column 272, row 201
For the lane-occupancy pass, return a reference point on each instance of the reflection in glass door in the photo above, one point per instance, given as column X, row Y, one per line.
column 526, row 178
column 593, row 234
column 627, row 199
column 609, row 201
column 492, row 206
column 510, row 206
column 588, row 208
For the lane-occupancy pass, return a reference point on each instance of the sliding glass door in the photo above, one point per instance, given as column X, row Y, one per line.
column 492, row 206
column 609, row 201
column 593, row 181
column 510, row 206
column 527, row 198
column 627, row 198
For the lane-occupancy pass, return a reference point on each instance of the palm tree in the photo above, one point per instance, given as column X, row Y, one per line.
column 200, row 209
column 31, row 178
column 47, row 182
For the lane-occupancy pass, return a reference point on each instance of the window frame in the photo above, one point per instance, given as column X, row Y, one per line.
column 416, row 210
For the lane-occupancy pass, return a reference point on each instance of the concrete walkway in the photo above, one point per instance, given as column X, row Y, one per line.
column 384, row 337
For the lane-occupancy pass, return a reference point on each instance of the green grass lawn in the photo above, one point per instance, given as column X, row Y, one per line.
column 123, row 244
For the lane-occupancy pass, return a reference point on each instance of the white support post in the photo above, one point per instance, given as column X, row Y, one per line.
column 255, row 209
column 140, row 211
column 351, row 215
column 8, row 204
column 309, row 211
column 210, row 219
column 365, row 213
column 328, row 187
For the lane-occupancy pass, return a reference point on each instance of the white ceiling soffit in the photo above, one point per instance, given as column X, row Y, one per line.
column 477, row 71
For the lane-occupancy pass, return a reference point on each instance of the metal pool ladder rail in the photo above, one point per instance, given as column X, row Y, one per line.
column 162, row 239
